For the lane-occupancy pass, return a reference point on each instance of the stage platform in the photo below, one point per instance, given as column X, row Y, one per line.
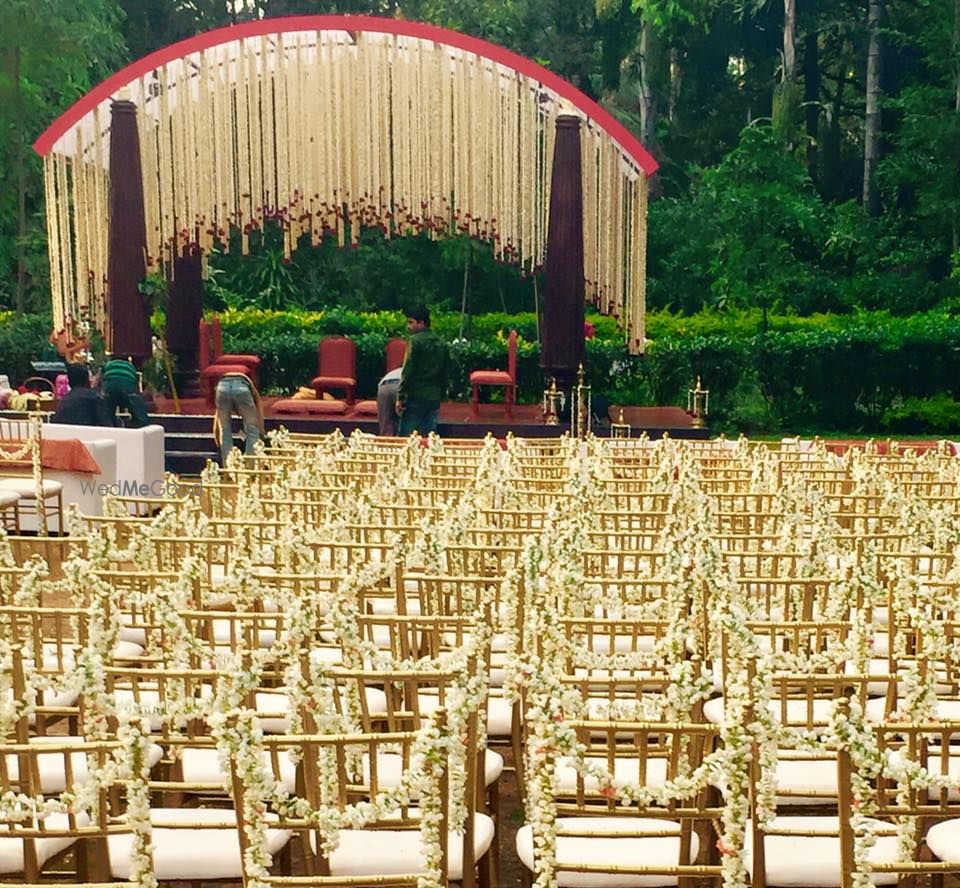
column 189, row 434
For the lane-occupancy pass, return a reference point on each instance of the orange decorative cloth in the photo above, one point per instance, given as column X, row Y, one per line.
column 68, row 455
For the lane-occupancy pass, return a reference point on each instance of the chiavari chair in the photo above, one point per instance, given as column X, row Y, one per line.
column 31, row 847
column 928, row 814
column 386, row 851
column 642, row 844
column 10, row 512
column 410, row 698
column 38, row 497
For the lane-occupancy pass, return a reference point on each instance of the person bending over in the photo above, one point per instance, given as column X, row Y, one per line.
column 387, row 402
column 121, row 390
column 236, row 393
column 424, row 377
column 81, row 405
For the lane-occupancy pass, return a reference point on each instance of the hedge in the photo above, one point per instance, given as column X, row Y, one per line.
column 832, row 372
column 861, row 373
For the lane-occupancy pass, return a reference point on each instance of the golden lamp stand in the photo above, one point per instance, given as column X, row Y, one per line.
column 553, row 400
column 620, row 428
column 582, row 415
column 698, row 404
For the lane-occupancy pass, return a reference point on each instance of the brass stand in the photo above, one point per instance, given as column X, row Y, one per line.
column 620, row 428
column 698, row 404
column 582, row 416
column 553, row 400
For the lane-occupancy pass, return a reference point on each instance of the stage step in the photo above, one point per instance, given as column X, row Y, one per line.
column 187, row 462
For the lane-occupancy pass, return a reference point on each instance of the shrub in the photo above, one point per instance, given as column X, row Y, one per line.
column 937, row 414
column 22, row 339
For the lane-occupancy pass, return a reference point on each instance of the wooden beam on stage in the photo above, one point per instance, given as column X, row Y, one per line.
column 561, row 326
column 184, row 310
column 128, row 330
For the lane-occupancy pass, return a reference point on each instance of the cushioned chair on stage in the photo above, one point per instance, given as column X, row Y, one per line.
column 336, row 367
column 396, row 351
column 506, row 379
column 252, row 362
column 214, row 365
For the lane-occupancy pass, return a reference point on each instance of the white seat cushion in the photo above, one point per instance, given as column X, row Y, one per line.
column 499, row 717
column 326, row 656
column 11, row 850
column 147, row 702
column 222, row 635
column 386, row 606
column 191, row 854
column 622, row 644
column 625, row 771
column 366, row 853
column 623, row 848
column 813, row 861
column 66, row 657
column 8, row 498
column 27, row 489
column 200, row 765
column 943, row 839
column 944, row 710
column 53, row 778
column 810, row 781
column 713, row 711
column 390, row 768
column 273, row 706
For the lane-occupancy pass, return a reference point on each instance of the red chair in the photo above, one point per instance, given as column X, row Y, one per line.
column 396, row 352
column 336, row 366
column 218, row 357
column 212, row 371
column 508, row 379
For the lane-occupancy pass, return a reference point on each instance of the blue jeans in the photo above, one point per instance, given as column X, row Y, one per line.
column 419, row 416
column 234, row 396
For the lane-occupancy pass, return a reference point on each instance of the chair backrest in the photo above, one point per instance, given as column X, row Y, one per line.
column 337, row 356
column 512, row 355
column 396, row 350
column 216, row 338
column 204, row 358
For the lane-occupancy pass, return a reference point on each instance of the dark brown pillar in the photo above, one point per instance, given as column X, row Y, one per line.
column 184, row 309
column 128, row 331
column 561, row 328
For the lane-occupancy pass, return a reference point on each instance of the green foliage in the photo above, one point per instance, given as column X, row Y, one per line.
column 380, row 273
column 22, row 340
column 939, row 414
column 754, row 233
column 51, row 52
column 826, row 371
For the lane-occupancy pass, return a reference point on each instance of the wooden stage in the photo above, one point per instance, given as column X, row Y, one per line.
column 189, row 434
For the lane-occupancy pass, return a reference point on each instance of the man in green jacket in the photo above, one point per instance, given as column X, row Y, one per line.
column 424, row 379
column 121, row 389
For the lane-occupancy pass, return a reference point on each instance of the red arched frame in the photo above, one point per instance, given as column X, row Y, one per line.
column 628, row 143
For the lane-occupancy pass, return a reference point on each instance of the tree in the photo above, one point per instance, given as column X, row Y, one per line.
column 871, row 129
column 50, row 53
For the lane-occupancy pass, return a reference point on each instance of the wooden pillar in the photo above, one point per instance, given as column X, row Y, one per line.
column 184, row 310
column 561, row 328
column 128, row 314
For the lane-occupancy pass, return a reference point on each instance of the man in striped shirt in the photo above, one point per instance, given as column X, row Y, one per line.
column 121, row 389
